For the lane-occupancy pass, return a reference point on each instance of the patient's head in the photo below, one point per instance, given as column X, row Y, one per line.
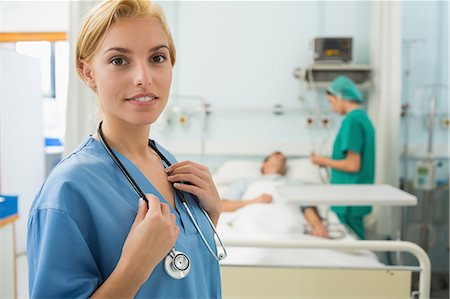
column 275, row 163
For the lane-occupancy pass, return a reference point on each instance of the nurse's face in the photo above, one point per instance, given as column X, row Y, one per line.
column 131, row 71
column 337, row 104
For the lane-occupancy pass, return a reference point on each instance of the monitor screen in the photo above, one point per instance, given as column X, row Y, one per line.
column 333, row 49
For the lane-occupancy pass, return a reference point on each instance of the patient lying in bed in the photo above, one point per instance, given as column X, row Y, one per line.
column 240, row 182
column 259, row 206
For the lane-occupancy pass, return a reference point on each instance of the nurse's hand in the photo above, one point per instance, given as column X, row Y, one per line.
column 196, row 180
column 152, row 236
column 316, row 159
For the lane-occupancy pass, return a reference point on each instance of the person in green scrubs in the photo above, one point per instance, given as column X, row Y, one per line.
column 353, row 158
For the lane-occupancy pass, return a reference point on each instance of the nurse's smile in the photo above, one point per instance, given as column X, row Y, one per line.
column 143, row 99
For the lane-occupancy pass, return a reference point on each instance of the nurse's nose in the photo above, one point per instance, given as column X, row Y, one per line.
column 143, row 75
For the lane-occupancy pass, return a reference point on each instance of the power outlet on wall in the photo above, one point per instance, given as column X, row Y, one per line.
column 325, row 121
column 445, row 123
column 310, row 121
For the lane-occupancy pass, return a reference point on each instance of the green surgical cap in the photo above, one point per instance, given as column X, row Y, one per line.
column 344, row 88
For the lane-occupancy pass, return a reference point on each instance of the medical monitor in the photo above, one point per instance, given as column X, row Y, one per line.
column 333, row 49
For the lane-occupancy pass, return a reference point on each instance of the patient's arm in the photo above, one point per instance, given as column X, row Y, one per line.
column 312, row 216
column 227, row 205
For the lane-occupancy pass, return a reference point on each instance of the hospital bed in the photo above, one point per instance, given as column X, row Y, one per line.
column 280, row 261
column 275, row 281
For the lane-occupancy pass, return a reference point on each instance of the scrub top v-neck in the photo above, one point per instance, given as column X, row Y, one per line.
column 79, row 222
column 183, row 220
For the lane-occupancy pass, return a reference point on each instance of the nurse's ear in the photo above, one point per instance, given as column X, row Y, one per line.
column 87, row 74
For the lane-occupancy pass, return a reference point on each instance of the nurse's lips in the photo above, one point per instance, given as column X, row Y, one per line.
column 144, row 98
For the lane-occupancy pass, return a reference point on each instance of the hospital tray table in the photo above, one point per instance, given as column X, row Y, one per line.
column 346, row 194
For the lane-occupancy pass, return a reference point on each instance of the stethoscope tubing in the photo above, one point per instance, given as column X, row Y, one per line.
column 219, row 257
column 180, row 195
column 119, row 164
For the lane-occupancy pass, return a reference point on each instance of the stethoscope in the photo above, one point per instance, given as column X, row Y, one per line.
column 177, row 264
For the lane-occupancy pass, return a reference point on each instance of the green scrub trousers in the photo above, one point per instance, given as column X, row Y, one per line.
column 356, row 134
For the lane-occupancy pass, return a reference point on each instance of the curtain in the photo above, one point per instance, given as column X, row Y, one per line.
column 81, row 111
column 384, row 104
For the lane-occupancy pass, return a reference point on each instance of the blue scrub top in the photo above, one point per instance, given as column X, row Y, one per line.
column 80, row 220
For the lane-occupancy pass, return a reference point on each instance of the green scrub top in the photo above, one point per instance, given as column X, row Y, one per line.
column 357, row 135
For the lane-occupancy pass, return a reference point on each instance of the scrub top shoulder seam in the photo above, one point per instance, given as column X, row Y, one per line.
column 58, row 211
column 77, row 150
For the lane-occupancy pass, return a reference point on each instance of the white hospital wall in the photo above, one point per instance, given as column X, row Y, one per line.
column 243, row 54
column 21, row 134
column 34, row 16
column 237, row 54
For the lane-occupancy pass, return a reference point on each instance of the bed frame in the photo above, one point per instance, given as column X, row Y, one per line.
column 244, row 281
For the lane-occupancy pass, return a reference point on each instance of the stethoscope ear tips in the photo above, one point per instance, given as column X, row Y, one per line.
column 222, row 256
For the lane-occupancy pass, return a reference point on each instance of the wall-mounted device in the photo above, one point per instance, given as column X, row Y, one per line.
column 424, row 175
column 332, row 58
column 320, row 75
column 425, row 170
column 333, row 49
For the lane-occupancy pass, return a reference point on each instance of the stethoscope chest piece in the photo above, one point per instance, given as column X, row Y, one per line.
column 177, row 264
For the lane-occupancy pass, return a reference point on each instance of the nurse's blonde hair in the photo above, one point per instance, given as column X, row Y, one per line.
column 109, row 12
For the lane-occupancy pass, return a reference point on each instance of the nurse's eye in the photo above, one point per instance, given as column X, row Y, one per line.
column 158, row 58
column 118, row 61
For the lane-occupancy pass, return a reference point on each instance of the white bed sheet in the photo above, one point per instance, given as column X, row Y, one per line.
column 284, row 222
column 279, row 220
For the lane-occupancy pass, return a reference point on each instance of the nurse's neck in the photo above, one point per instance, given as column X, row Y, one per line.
column 129, row 140
column 349, row 106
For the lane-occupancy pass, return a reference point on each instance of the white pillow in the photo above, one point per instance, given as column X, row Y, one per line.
column 236, row 170
column 301, row 169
